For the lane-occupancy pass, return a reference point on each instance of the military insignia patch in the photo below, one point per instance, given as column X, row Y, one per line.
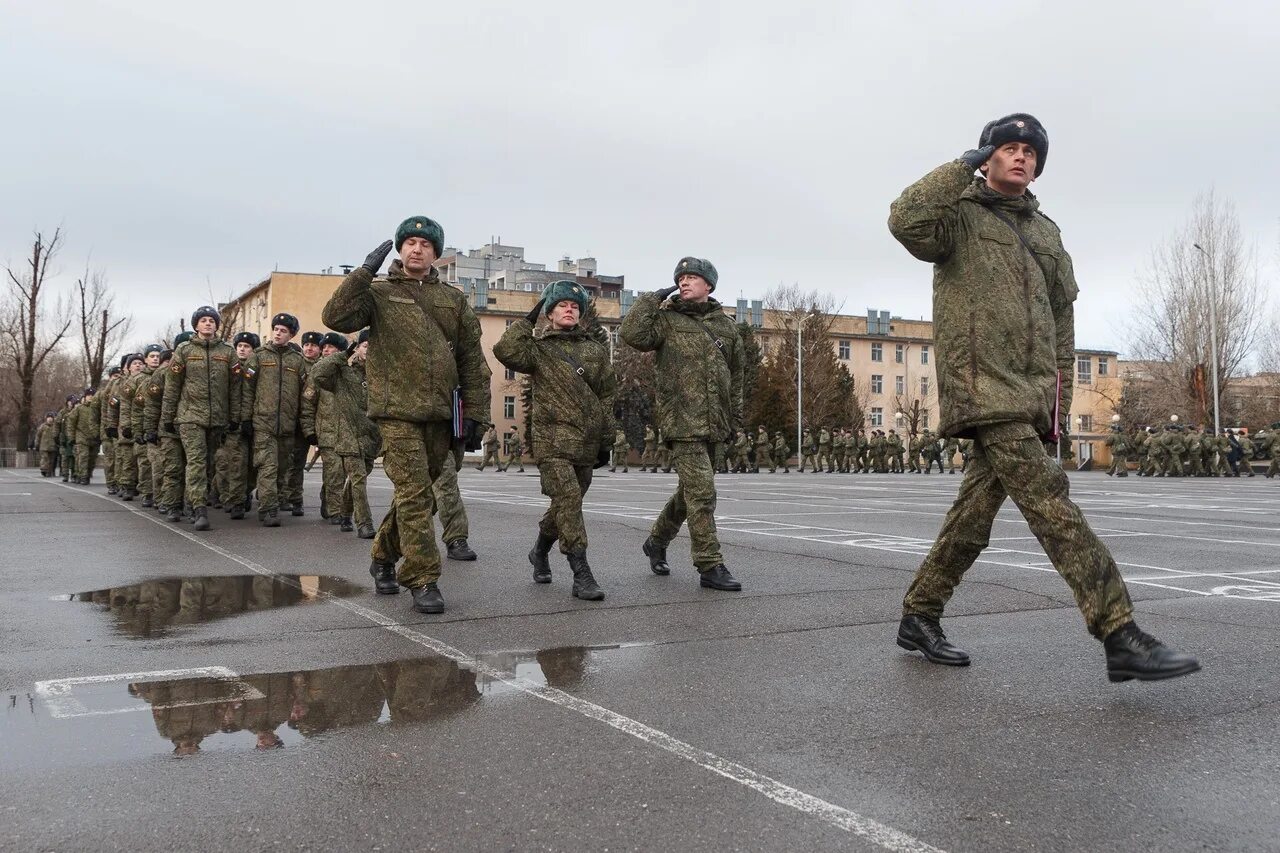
column 154, row 390
column 309, row 393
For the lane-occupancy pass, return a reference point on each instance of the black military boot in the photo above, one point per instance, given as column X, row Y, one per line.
column 202, row 518
column 657, row 554
column 384, row 577
column 427, row 599
column 365, row 530
column 345, row 525
column 174, row 514
column 272, row 519
column 584, row 583
column 335, row 520
column 111, row 490
column 718, row 577
column 458, row 549
column 147, row 502
column 129, row 494
column 924, row 635
column 237, row 512
column 538, row 559
column 298, row 510
column 1132, row 653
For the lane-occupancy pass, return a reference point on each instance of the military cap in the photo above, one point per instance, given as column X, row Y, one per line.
column 690, row 265
column 1018, row 127
column 165, row 355
column 131, row 358
column 335, row 339
column 182, row 338
column 247, row 338
column 114, row 371
column 289, row 321
column 71, row 398
column 316, row 338
column 559, row 291
column 421, row 226
column 124, row 360
column 50, row 415
column 364, row 336
column 150, row 348
column 206, row 311
column 88, row 392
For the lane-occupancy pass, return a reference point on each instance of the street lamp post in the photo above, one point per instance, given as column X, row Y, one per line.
column 800, row 384
column 1213, row 334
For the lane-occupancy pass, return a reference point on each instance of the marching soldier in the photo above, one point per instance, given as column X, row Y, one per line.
column 1119, row 444
column 120, row 408
column 270, row 404
column 649, row 455
column 824, row 451
column 47, row 445
column 809, row 451
column 133, row 405
column 514, row 449
column 319, row 428
column 241, row 472
column 312, row 350
column 173, row 475
column 66, row 439
column 620, row 450
column 85, row 427
column 894, row 448
column 781, row 453
column 490, row 449
column 107, row 426
column 763, row 455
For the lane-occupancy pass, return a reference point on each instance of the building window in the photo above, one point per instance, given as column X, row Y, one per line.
column 510, row 374
column 924, row 419
column 924, row 354
column 844, row 350
column 898, row 353
column 1084, row 370
column 877, row 383
column 509, row 407
column 924, row 386
column 877, row 352
column 1103, row 366
column 899, row 385
column 877, row 416
column 1086, row 423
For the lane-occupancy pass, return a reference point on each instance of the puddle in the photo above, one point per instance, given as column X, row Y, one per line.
column 151, row 608
column 103, row 719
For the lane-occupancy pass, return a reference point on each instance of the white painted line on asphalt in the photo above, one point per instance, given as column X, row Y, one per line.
column 59, row 696
column 837, row 816
column 15, row 494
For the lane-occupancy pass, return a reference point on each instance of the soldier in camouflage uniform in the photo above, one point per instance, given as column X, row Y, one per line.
column 85, row 428
column 648, row 456
column 781, row 453
column 699, row 399
column 950, row 448
column 47, row 445
column 999, row 372
column 319, row 429
column 119, row 412
column 863, row 446
column 895, row 450
column 824, row 452
column 914, row 447
column 932, row 452
column 455, row 527
column 1273, row 449
column 491, row 446
column 199, row 405
column 173, row 463
column 808, row 451
column 66, row 442
column 664, row 454
column 312, row 350
column 1118, row 442
column 763, row 452
column 270, row 404
column 573, row 390
column 514, row 449
column 147, row 476
column 424, row 353
column 107, row 425
column 241, row 473
column 620, row 451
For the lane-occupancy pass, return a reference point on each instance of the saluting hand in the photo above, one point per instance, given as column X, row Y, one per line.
column 374, row 261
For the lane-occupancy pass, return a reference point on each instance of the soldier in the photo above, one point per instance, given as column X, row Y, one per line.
column 763, row 455
column 1191, row 446
column 949, row 450
column 133, row 403
column 426, row 369
column 1246, row 454
column 490, row 449
column 915, row 447
column 355, row 438
column 932, row 452
column 824, row 451
column 895, row 450
column 146, row 432
column 312, row 350
column 699, row 369
column 47, row 445
column 173, row 463
column 966, row 452
column 1003, row 313
column 513, row 447
column 648, row 455
column 663, row 458
column 319, row 429
column 107, row 427
column 781, row 453
column 241, row 473
column 199, row 406
column 85, row 428
column 455, row 526
column 741, row 447
column 1220, row 450
column 270, row 404
column 118, row 411
column 876, row 448
column 838, row 449
column 1119, row 444
column 864, row 451
column 66, row 441
column 1273, row 446
column 808, row 451
column 620, row 450
column 1174, row 447
column 573, row 391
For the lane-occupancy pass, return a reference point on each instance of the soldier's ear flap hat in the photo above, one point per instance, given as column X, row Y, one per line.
column 132, row 357
column 421, row 226
column 558, row 291
column 71, row 398
column 247, row 338
column 316, row 338
column 690, row 265
column 289, row 321
column 206, row 311
column 165, row 355
column 336, row 339
column 364, row 336
column 114, row 371
column 182, row 338
column 1018, row 127
column 88, row 392
column 150, row 348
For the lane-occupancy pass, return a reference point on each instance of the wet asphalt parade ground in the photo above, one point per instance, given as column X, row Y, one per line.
column 244, row 689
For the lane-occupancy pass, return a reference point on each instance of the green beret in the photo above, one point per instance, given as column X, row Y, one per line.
column 558, row 291
column 421, row 226
column 696, row 266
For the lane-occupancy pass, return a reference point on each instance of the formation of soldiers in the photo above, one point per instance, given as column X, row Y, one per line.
column 1192, row 451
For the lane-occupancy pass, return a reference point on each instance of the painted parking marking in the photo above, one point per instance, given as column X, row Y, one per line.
column 60, row 694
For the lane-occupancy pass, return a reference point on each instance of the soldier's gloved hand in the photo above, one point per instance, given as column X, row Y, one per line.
column 377, row 257
column 112, row 433
column 472, row 434
column 602, row 458
column 168, row 427
column 975, row 157
column 127, row 432
column 313, row 441
column 151, row 437
column 665, row 292
column 233, row 428
column 246, row 430
column 533, row 315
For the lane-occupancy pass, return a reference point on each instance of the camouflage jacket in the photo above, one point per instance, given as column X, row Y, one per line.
column 47, row 437
column 415, row 362
column 153, row 392
column 1004, row 322
column 620, row 440
column 318, row 414
column 85, row 425
column 271, row 389
column 824, row 439
column 125, row 394
column 354, row 434
column 699, row 365
column 65, row 438
column 110, row 413
column 780, row 449
column 572, row 403
column 650, row 438
column 142, row 392
column 202, row 376
column 763, row 440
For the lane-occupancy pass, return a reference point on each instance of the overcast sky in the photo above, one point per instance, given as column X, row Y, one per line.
column 187, row 147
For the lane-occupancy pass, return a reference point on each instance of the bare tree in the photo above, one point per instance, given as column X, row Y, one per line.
column 27, row 333
column 1180, row 289
column 102, row 327
column 830, row 396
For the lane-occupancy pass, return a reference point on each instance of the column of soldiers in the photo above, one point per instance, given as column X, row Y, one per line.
column 1185, row 451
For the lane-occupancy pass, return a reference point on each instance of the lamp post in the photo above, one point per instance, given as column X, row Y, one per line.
column 800, row 384
column 1213, row 333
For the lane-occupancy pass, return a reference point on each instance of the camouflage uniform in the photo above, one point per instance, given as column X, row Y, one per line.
column 699, row 401
column 998, row 376
column 132, row 402
column 296, row 480
column 663, row 458
column 199, row 405
column 573, row 390
column 85, row 427
column 824, row 451
column 808, row 452
column 150, row 477
column 741, row 445
column 66, row 442
column 453, row 513
column 1119, row 444
column 415, row 364
column 949, row 450
column 319, row 420
column 894, row 448
column 781, row 454
column 271, row 396
column 514, row 448
column 354, row 436
column 47, row 447
column 491, row 449
column 763, row 454
column 620, row 451
column 168, row 463
column 648, row 456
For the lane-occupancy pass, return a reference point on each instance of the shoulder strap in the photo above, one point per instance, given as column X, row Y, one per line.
column 1022, row 239
column 416, row 293
column 719, row 344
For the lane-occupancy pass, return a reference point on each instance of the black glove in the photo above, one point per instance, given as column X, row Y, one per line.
column 151, row 438
column 602, row 458
column 112, row 433
column 233, row 428
column 472, row 434
column 138, row 441
column 246, row 429
column 665, row 292
column 533, row 315
column 374, row 262
column 312, row 441
column 127, row 432
column 975, row 157
column 169, row 428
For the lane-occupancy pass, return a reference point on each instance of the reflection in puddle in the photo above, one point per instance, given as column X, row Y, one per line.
column 266, row 710
column 150, row 608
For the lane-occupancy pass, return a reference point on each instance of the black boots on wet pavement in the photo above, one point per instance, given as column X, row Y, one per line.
column 1132, row 653
column 384, row 577
column 272, row 519
column 298, row 511
column 657, row 554
column 584, row 583
column 538, row 559
column 718, row 577
column 201, row 518
column 924, row 635
column 458, row 549
column 427, row 599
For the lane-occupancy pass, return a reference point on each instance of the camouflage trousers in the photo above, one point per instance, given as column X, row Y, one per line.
column 490, row 455
column 413, row 455
column 824, row 459
column 155, row 462
column 1009, row 460
column 763, row 458
column 142, row 469
column 453, row 515
column 647, row 456
column 566, row 484
column 291, row 493
column 807, row 458
column 333, row 478
column 620, row 459
column 199, row 444
column 68, row 460
column 1274, row 468
column 86, row 459
column 125, row 464
column 663, row 458
column 239, row 471
column 695, row 501
column 172, row 469
column 355, row 489
column 273, row 454
column 108, row 450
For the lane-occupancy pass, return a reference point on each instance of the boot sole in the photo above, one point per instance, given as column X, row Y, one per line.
column 585, row 597
column 467, row 559
column 661, row 570
column 386, row 590
column 1118, row 675
column 721, row 587
column 912, row 646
